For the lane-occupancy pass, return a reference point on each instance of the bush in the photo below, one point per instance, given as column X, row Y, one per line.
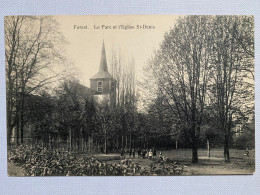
column 41, row 162
column 244, row 142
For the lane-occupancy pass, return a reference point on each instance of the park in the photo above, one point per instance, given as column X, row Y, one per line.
column 184, row 108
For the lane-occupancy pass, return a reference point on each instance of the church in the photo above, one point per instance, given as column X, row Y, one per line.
column 102, row 82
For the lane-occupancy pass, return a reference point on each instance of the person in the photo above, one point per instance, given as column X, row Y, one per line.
column 125, row 152
column 139, row 152
column 154, row 152
column 130, row 152
column 150, row 154
column 144, row 153
column 133, row 152
column 160, row 155
column 246, row 152
column 122, row 153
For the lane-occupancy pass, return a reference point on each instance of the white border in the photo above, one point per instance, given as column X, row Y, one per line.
column 127, row 185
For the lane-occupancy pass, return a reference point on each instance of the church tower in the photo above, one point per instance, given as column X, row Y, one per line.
column 102, row 82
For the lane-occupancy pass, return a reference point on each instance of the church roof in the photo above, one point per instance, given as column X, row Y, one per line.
column 83, row 90
column 103, row 70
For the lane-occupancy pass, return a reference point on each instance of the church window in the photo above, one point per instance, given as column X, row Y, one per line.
column 100, row 86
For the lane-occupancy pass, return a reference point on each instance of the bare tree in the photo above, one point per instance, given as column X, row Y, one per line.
column 233, row 62
column 32, row 49
column 182, row 69
column 123, row 72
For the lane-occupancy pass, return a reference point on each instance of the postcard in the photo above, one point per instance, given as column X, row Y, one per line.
column 130, row 95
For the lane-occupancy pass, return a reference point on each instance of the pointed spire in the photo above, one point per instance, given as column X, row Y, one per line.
column 103, row 60
column 103, row 70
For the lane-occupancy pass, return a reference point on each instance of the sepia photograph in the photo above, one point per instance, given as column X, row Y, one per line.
column 130, row 95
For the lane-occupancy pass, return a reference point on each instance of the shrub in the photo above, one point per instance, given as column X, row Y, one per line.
column 41, row 162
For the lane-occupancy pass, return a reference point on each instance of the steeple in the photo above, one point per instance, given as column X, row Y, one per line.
column 102, row 82
column 103, row 60
column 103, row 70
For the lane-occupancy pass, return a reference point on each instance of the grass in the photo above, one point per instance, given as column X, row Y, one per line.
column 213, row 165
column 185, row 155
column 239, row 164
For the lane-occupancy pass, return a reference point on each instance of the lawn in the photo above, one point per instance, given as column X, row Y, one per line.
column 239, row 164
column 214, row 165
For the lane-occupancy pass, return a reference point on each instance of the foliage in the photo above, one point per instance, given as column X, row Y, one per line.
column 204, row 66
column 246, row 137
column 41, row 162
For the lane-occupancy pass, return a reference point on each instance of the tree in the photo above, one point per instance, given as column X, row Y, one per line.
column 160, row 123
column 232, row 55
column 125, row 101
column 32, row 48
column 207, row 62
column 104, row 122
column 90, row 120
column 40, row 112
column 70, row 112
column 181, row 67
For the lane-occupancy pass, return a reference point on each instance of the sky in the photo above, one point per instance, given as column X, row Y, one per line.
column 85, row 35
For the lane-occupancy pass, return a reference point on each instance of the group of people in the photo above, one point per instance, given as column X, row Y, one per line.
column 141, row 153
column 130, row 152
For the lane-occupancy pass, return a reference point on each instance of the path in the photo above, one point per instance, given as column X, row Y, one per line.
column 14, row 170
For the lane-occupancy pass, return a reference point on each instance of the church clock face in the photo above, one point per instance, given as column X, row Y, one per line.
column 100, row 86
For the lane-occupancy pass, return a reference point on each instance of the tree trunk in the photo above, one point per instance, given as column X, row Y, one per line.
column 78, row 144
column 82, row 143
column 117, row 143
column 17, row 131
column 130, row 140
column 194, row 153
column 122, row 141
column 22, row 118
column 208, row 147
column 58, row 142
column 85, row 143
column 226, row 148
column 105, row 148
column 9, row 115
column 22, row 126
column 176, row 144
column 70, row 139
column 9, row 127
column 68, row 146
column 89, row 144
column 49, row 140
column 194, row 146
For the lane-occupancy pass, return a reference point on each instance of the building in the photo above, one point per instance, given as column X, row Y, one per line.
column 102, row 82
